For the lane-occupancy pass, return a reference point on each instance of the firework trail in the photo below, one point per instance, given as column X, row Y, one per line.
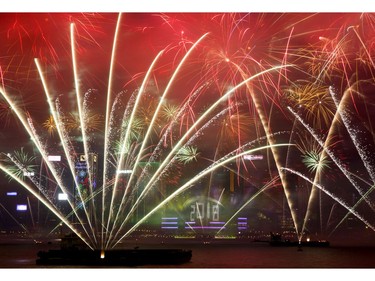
column 156, row 113
column 335, row 160
column 237, row 77
column 334, row 197
column 182, row 188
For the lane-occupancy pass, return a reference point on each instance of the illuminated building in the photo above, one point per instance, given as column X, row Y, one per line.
column 86, row 178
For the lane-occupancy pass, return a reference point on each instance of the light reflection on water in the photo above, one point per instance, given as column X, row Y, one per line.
column 222, row 256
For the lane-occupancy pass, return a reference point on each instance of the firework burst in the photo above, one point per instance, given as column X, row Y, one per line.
column 187, row 154
column 315, row 161
column 50, row 125
column 222, row 88
column 314, row 101
column 21, row 164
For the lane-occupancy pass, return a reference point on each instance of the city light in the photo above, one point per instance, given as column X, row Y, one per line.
column 253, row 157
column 62, row 196
column 124, row 171
column 21, row 207
column 54, row 158
column 12, row 193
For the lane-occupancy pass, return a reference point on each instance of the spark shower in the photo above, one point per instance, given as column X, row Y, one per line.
column 148, row 111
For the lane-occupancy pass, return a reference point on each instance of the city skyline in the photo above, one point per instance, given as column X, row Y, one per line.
column 187, row 102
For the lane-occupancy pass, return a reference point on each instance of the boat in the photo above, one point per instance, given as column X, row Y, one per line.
column 75, row 254
column 127, row 257
column 276, row 240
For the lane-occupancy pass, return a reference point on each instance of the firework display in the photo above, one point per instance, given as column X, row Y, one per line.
column 192, row 124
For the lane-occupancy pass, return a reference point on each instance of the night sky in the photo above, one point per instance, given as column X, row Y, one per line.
column 310, row 87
